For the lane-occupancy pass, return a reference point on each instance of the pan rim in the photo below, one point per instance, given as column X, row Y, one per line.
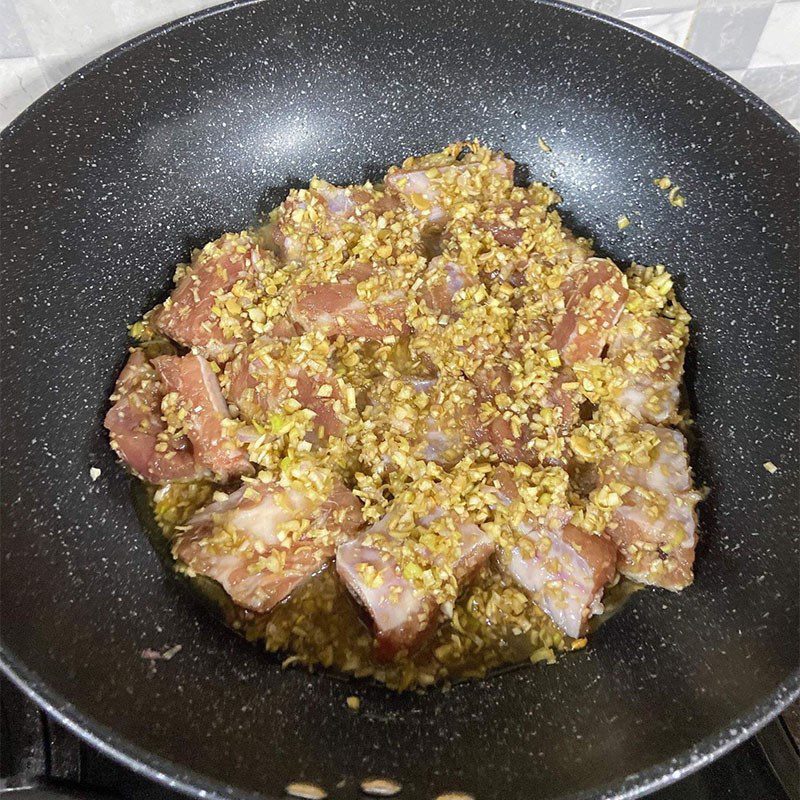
column 704, row 66
column 164, row 771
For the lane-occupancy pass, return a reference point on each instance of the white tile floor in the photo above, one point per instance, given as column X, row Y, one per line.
column 755, row 41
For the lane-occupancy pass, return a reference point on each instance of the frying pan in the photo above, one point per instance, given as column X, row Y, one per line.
column 199, row 127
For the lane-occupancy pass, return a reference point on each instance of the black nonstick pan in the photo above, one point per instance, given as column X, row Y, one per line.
column 198, row 128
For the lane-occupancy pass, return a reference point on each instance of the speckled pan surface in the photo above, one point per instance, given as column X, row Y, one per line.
column 108, row 181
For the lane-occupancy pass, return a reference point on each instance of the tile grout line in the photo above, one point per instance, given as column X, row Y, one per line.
column 690, row 29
